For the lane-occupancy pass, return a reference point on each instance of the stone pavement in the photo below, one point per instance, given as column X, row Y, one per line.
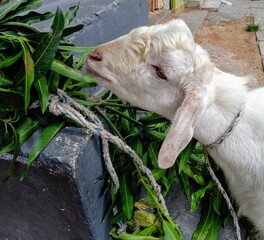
column 237, row 10
column 224, row 10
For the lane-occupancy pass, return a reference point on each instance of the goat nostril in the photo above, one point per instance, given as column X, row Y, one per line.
column 95, row 56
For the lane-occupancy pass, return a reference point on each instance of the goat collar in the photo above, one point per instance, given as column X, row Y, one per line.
column 229, row 130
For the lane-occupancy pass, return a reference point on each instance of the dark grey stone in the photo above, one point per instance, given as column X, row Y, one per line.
column 43, row 206
column 103, row 20
column 64, row 180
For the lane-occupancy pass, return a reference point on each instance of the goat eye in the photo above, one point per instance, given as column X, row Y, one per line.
column 160, row 72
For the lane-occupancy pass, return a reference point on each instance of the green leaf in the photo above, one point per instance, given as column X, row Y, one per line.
column 153, row 154
column 197, row 196
column 144, row 219
column 4, row 79
column 156, row 134
column 29, row 75
column 71, row 14
column 53, row 82
column 8, row 6
column 136, row 145
column 15, row 151
column 44, row 54
column 158, row 173
column 208, row 227
column 43, row 92
column 63, row 69
column 217, row 199
column 46, row 136
column 70, row 30
column 127, row 236
column 170, row 232
column 125, row 115
column 185, row 154
column 152, row 118
column 33, row 17
column 214, row 230
column 21, row 27
column 25, row 129
column 22, row 7
column 184, row 181
column 11, row 59
column 76, row 49
column 10, row 101
column 127, row 199
column 198, row 178
column 125, row 123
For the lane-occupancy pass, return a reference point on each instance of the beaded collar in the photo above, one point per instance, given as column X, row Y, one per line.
column 229, row 130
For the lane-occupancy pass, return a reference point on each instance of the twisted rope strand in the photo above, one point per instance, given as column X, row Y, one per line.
column 229, row 130
column 106, row 153
column 66, row 109
column 220, row 140
column 71, row 109
column 224, row 194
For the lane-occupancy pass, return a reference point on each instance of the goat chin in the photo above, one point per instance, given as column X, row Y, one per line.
column 161, row 69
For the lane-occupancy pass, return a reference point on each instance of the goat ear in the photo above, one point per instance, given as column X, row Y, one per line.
column 187, row 115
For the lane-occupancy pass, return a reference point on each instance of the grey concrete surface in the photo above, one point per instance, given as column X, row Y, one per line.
column 64, row 177
column 103, row 20
column 194, row 19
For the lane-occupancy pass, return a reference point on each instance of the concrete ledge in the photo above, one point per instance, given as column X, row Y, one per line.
column 62, row 185
column 104, row 20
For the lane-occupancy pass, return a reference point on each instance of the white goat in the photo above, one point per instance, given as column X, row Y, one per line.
column 160, row 68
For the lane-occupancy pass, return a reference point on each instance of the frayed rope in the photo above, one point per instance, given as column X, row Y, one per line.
column 63, row 105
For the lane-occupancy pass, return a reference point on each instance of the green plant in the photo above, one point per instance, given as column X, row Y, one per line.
column 34, row 64
column 252, row 27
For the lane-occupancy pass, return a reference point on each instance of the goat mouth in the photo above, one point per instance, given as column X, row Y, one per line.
column 98, row 76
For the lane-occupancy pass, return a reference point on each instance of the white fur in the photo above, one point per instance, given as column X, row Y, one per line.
column 200, row 100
